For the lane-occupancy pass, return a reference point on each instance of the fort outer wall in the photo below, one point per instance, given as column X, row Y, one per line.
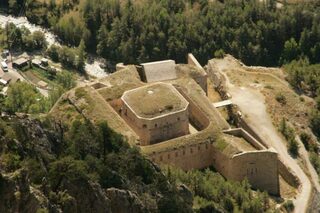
column 192, row 156
column 284, row 171
column 201, row 80
column 196, row 116
column 259, row 167
column 219, row 82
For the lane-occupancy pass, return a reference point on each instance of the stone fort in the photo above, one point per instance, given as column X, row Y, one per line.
column 163, row 108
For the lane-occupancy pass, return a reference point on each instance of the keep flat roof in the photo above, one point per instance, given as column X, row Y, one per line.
column 154, row 100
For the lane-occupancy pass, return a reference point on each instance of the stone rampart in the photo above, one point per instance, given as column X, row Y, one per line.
column 201, row 79
column 239, row 132
column 259, row 167
column 193, row 156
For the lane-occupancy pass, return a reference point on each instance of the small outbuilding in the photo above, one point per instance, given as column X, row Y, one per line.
column 20, row 63
column 36, row 62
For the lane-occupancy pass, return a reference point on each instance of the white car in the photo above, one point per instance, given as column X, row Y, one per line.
column 4, row 66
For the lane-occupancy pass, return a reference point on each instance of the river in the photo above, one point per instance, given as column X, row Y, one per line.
column 92, row 69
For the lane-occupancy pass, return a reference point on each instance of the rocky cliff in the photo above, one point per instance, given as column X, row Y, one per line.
column 39, row 173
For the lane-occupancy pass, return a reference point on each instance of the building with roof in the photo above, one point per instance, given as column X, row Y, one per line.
column 156, row 112
column 20, row 63
column 159, row 71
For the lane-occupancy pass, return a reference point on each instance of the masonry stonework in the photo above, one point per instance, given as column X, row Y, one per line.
column 162, row 112
column 190, row 157
column 160, row 122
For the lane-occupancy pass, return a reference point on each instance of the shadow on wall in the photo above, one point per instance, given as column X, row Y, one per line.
column 196, row 116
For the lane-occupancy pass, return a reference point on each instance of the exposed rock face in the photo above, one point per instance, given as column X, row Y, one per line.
column 185, row 193
column 86, row 196
column 16, row 194
column 28, row 184
column 123, row 201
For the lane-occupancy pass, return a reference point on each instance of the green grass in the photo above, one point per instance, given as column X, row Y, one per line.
column 220, row 144
column 38, row 74
column 35, row 75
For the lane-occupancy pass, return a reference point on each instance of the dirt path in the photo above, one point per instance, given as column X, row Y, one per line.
column 252, row 104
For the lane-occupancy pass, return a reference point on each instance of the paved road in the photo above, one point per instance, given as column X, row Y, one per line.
column 252, row 104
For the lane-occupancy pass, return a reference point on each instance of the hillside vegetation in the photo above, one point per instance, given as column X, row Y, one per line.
column 82, row 169
column 139, row 31
column 51, row 167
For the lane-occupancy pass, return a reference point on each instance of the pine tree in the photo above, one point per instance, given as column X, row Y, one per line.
column 81, row 56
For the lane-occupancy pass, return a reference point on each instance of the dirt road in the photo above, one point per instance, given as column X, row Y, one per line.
column 252, row 104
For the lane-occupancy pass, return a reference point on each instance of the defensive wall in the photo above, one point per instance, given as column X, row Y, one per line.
column 196, row 116
column 187, row 157
column 199, row 150
column 200, row 79
column 260, row 167
column 284, row 171
column 203, row 149
column 240, row 121
column 240, row 132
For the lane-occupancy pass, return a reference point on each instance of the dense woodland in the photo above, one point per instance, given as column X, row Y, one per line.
column 146, row 30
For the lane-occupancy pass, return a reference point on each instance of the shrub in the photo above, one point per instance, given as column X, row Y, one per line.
column 10, row 161
column 293, row 147
column 219, row 53
column 305, row 138
column 289, row 206
column 315, row 122
column 289, row 135
column 301, row 99
column 281, row 98
column 315, row 161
